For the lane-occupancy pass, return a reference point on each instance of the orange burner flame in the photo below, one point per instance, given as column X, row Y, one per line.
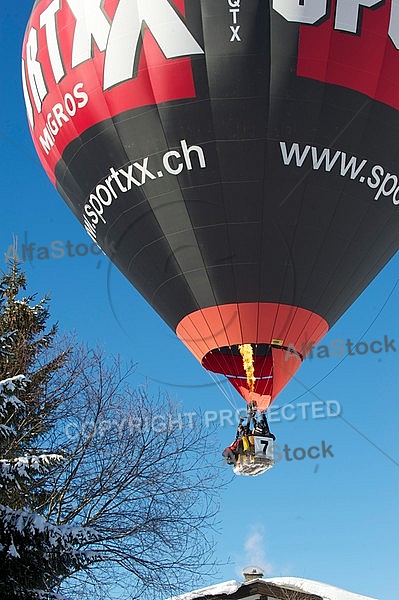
column 247, row 354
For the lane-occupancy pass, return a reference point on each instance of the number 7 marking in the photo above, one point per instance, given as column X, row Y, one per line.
column 265, row 444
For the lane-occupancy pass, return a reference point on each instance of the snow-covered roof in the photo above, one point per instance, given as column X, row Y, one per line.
column 227, row 587
column 324, row 590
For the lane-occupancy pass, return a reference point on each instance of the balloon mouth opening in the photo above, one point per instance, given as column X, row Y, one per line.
column 228, row 360
column 258, row 387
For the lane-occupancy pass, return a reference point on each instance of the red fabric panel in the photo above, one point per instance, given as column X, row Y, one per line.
column 367, row 62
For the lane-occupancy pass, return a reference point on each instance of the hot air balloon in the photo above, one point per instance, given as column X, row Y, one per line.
column 237, row 161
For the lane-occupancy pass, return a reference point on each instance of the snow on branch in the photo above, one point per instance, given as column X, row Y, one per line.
column 12, row 384
column 9, row 401
column 5, row 344
column 28, row 523
column 27, row 466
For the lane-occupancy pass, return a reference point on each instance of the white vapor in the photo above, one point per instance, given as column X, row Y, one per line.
column 255, row 551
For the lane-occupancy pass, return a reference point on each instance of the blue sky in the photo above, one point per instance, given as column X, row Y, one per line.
column 332, row 519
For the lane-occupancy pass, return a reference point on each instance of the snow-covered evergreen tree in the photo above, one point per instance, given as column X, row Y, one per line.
column 35, row 555
column 103, row 488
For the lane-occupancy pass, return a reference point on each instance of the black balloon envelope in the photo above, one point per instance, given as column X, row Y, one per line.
column 238, row 161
